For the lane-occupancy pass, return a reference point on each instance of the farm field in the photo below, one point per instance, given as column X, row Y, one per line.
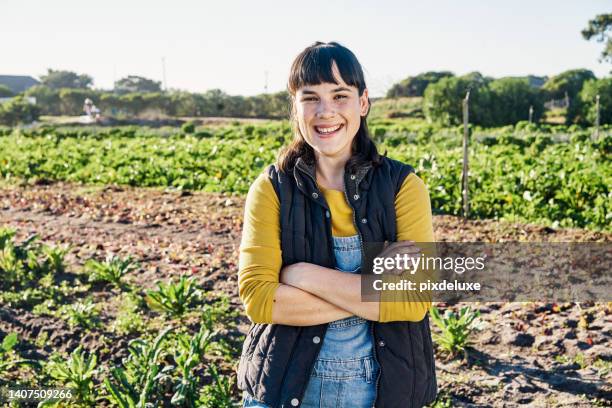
column 560, row 179
column 119, row 251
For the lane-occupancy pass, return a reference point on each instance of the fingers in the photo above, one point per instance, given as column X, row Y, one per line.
column 401, row 247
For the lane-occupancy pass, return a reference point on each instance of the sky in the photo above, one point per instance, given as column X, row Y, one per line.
column 240, row 46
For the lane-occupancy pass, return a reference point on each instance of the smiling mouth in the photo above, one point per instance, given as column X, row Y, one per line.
column 328, row 131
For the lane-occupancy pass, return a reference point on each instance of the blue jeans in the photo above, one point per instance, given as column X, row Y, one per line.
column 345, row 371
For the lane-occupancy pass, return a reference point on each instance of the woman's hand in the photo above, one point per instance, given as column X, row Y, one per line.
column 401, row 248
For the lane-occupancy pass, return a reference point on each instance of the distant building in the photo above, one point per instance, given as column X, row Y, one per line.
column 30, row 99
column 18, row 83
column 536, row 81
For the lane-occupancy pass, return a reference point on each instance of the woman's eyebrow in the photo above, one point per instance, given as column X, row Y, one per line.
column 340, row 89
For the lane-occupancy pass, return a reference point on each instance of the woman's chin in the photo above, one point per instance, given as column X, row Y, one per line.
column 329, row 151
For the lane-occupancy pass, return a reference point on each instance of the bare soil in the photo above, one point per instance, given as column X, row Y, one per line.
column 524, row 353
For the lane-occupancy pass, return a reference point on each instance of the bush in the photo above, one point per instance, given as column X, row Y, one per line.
column 46, row 98
column 379, row 132
column 188, row 127
column 442, row 102
column 592, row 88
column 511, row 99
column 568, row 82
column 5, row 91
column 525, row 126
column 416, row 85
column 18, row 110
column 504, row 101
column 71, row 100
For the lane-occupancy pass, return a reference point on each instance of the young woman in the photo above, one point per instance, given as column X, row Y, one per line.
column 313, row 341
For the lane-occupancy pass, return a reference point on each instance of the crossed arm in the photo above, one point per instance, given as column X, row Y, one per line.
column 305, row 294
column 312, row 294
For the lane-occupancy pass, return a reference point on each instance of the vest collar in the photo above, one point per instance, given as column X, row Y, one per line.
column 309, row 169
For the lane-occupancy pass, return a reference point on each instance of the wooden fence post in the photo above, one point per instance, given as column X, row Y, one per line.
column 597, row 118
column 464, row 173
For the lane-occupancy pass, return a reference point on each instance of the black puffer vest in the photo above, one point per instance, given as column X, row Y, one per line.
column 277, row 360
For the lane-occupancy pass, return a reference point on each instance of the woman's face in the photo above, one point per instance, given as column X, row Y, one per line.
column 329, row 116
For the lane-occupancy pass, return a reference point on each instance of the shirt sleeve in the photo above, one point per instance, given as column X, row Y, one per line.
column 414, row 223
column 260, row 259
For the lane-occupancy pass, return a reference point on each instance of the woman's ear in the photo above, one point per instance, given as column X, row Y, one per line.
column 364, row 103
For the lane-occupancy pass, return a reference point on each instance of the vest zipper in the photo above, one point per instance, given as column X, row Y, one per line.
column 371, row 323
column 333, row 258
column 362, row 259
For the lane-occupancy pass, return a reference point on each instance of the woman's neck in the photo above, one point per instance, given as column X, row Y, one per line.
column 330, row 172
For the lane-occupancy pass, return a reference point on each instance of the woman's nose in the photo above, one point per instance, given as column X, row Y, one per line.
column 325, row 109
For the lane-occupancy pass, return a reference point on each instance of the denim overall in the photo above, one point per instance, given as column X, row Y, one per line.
column 345, row 371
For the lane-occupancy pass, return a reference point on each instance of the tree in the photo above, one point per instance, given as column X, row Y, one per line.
column 46, row 98
column 442, row 101
column 416, row 85
column 5, row 91
column 214, row 101
column 511, row 99
column 590, row 90
column 569, row 82
column 136, row 84
column 599, row 27
column 183, row 104
column 66, row 79
column 18, row 110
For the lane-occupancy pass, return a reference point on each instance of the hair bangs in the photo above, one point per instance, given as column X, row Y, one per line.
column 314, row 66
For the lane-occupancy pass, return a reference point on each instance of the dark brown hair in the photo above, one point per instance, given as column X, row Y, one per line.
column 313, row 66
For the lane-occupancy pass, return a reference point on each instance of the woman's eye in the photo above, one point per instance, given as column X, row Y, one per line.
column 309, row 99
column 341, row 96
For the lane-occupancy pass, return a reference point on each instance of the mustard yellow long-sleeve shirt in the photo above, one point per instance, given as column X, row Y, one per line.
column 260, row 259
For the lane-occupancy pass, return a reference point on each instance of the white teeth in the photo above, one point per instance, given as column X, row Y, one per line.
column 327, row 130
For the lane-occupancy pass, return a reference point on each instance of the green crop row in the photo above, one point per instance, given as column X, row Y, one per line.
column 557, row 184
column 520, row 173
column 176, row 362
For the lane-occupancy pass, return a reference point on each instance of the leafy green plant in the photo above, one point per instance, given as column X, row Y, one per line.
column 81, row 313
column 55, row 257
column 77, row 372
column 129, row 318
column 174, row 298
column 138, row 381
column 20, row 263
column 517, row 173
column 6, row 236
column 455, row 328
column 10, row 266
column 220, row 313
column 112, row 269
column 8, row 355
column 218, row 394
column 443, row 400
column 8, row 343
column 190, row 353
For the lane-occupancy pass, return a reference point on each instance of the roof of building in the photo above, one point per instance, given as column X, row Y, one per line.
column 18, row 83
